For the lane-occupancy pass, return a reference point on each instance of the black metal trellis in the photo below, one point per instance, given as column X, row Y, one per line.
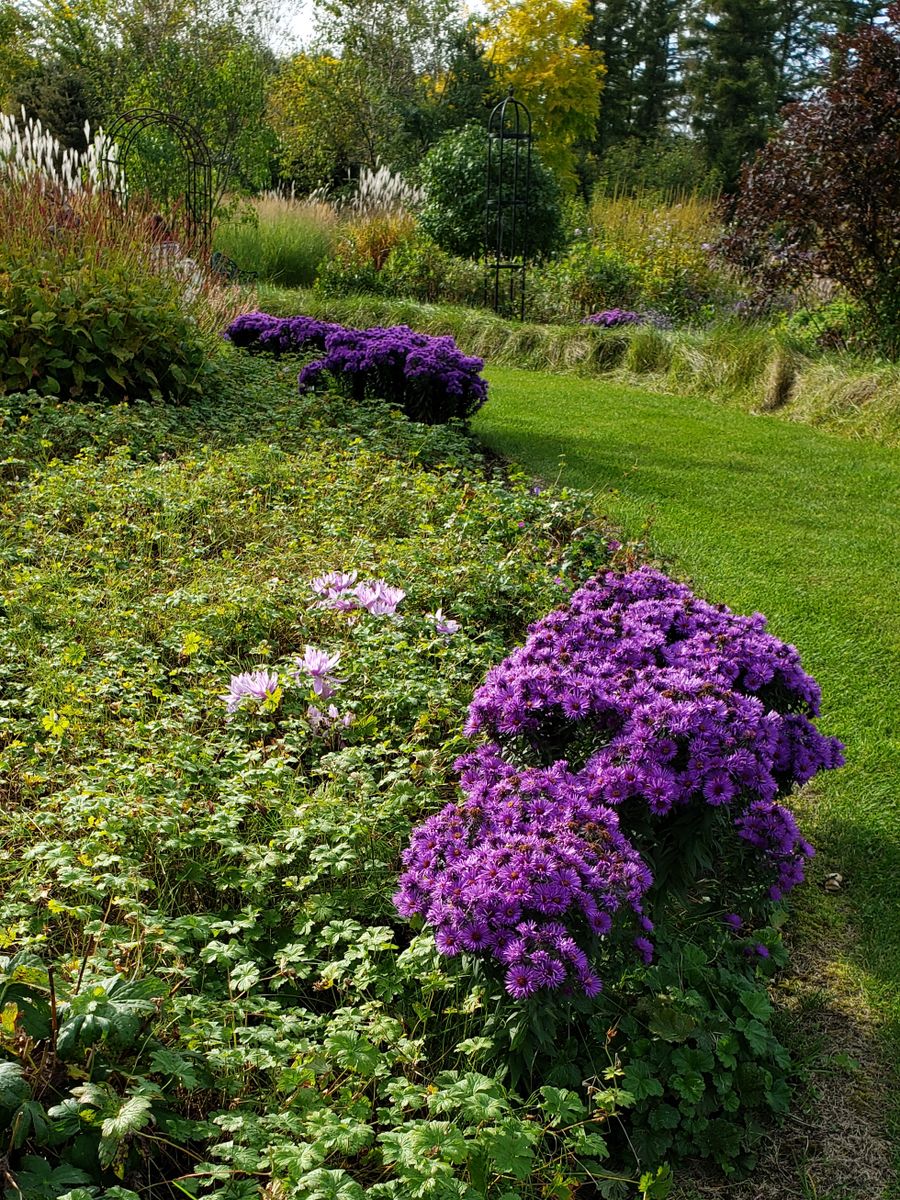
column 122, row 138
column 507, row 202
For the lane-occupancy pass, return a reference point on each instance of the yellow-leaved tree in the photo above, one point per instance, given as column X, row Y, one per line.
column 538, row 48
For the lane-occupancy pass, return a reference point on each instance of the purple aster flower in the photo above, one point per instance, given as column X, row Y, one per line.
column 645, row 949
column 733, row 921
column 254, row 685
column 318, row 665
column 521, row 981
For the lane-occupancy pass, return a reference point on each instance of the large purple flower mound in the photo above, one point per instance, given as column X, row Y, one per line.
column 527, row 871
column 666, row 699
column 637, row 697
column 611, row 317
column 428, row 376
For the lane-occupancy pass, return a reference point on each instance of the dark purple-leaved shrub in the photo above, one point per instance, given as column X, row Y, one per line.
column 685, row 720
column 822, row 198
column 428, row 377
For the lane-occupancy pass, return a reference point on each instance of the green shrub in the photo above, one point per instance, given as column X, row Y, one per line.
column 97, row 331
column 837, row 325
column 454, row 175
column 421, row 269
column 587, row 279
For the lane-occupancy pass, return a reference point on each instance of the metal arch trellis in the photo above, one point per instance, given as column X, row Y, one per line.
column 507, row 202
column 120, row 139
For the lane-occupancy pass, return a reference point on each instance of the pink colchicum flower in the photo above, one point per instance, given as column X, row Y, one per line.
column 318, row 665
column 257, row 685
column 379, row 598
column 444, row 625
column 334, row 590
column 322, row 722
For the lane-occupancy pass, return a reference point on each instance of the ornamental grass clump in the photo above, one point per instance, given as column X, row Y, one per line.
column 670, row 725
column 428, row 377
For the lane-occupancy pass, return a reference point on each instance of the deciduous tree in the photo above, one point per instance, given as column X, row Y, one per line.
column 539, row 48
column 823, row 197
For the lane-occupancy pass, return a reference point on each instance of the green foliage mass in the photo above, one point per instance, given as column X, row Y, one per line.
column 89, row 330
column 196, row 912
column 454, row 175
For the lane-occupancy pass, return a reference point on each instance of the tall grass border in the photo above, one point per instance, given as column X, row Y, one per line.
column 748, row 366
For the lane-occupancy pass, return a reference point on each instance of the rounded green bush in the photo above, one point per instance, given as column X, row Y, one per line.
column 454, row 175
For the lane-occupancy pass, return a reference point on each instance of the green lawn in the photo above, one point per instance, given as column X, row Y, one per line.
column 802, row 525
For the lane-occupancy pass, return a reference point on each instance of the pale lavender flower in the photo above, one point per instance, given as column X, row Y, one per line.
column 334, row 590
column 379, row 598
column 320, row 721
column 318, row 665
column 443, row 624
column 258, row 685
column 316, row 718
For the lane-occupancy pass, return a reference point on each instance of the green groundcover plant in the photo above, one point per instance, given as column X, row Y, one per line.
column 216, row 740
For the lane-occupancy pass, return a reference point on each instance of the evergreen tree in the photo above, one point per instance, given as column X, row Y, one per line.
column 731, row 80
column 614, row 31
column 653, row 81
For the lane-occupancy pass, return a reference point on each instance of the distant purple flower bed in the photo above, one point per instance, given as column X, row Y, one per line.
column 429, row 377
column 638, row 698
column 611, row 317
column 259, row 331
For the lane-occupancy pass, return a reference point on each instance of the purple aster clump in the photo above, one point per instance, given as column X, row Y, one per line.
column 635, row 704
column 665, row 700
column 429, row 377
column 525, row 871
column 610, row 318
column 260, row 332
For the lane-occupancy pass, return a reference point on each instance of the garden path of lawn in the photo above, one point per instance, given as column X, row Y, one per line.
column 761, row 515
